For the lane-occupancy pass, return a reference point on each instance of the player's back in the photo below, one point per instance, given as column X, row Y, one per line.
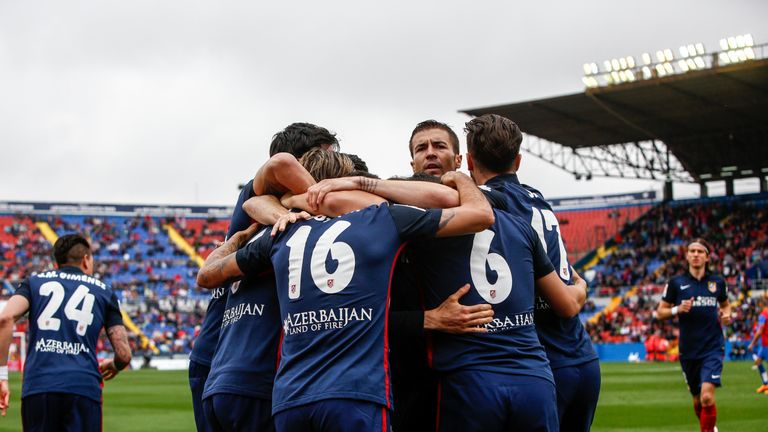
column 499, row 264
column 333, row 279
column 565, row 339
column 67, row 311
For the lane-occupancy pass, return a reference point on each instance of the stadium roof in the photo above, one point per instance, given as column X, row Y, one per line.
column 714, row 121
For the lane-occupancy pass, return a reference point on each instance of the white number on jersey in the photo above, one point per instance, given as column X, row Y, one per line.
column 546, row 219
column 329, row 283
column 82, row 316
column 493, row 293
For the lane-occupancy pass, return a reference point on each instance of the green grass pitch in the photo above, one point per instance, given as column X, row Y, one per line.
column 634, row 397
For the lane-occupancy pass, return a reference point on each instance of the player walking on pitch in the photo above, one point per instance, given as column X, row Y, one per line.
column 67, row 309
column 701, row 301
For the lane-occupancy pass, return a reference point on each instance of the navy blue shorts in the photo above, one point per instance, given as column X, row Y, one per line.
column 334, row 415
column 198, row 374
column 578, row 389
column 231, row 412
column 485, row 401
column 60, row 412
column 698, row 371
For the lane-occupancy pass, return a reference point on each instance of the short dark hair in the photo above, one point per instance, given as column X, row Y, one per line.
column 493, row 141
column 299, row 138
column 70, row 249
column 434, row 124
column 359, row 163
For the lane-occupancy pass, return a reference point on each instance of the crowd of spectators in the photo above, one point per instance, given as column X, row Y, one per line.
column 154, row 280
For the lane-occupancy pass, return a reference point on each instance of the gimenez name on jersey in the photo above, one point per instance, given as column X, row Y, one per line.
column 60, row 347
column 509, row 322
column 79, row 277
column 324, row 319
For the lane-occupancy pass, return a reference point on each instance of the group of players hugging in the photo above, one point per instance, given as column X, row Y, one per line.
column 344, row 302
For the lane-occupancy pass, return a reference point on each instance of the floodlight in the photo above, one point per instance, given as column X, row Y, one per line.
column 740, row 41
column 668, row 67
column 691, row 50
column 699, row 62
column 660, row 56
column 723, row 57
column 660, row 70
column 742, row 55
column 683, row 65
column 646, row 59
column 705, row 176
column 607, row 65
column 684, row 51
column 608, row 79
column 647, row 72
column 585, row 80
column 726, row 174
column 732, row 43
column 747, row 172
column 630, row 76
column 729, row 168
column 623, row 76
column 594, row 68
column 668, row 54
column 615, row 64
column 723, row 44
column 691, row 64
column 630, row 61
column 615, row 76
column 750, row 53
column 733, row 56
column 623, row 63
column 748, row 41
column 700, row 48
column 587, row 69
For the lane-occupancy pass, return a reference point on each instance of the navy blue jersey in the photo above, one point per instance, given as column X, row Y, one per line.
column 700, row 332
column 565, row 339
column 205, row 344
column 67, row 310
column 501, row 264
column 246, row 356
column 333, row 278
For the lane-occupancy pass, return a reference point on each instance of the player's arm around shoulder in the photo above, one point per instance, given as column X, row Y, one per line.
column 474, row 213
column 14, row 309
column 221, row 265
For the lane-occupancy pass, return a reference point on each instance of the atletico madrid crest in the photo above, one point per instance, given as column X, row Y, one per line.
column 493, row 293
column 712, row 286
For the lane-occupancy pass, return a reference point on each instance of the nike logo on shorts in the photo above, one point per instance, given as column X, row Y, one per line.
column 715, row 376
column 682, row 287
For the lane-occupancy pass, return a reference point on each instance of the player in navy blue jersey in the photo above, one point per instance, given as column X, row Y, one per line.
column 67, row 308
column 238, row 391
column 495, row 141
column 700, row 300
column 333, row 279
column 281, row 173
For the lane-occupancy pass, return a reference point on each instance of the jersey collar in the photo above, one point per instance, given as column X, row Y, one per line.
column 503, row 178
column 71, row 269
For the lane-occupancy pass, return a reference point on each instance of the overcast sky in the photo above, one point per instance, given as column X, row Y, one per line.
column 175, row 102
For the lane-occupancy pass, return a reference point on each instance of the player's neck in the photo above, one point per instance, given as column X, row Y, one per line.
column 697, row 272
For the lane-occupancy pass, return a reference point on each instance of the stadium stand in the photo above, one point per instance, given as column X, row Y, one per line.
column 650, row 251
column 632, row 250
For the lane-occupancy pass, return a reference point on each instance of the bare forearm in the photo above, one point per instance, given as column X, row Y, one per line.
column 6, row 334
column 118, row 337
column 265, row 209
column 416, row 193
column 281, row 173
